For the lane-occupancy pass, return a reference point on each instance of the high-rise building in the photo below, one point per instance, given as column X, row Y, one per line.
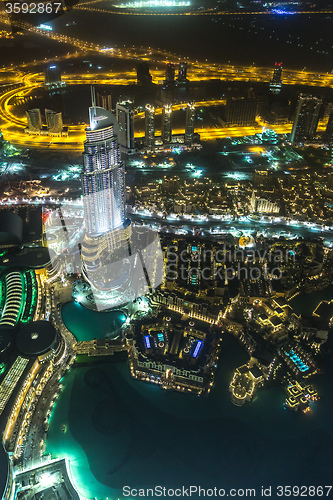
column 182, row 73
column 167, row 123
column 120, row 263
column 169, row 74
column 150, row 127
column 143, row 75
column 107, row 230
column 275, row 84
column 241, row 112
column 104, row 101
column 103, row 175
column 306, row 118
column 328, row 110
column 328, row 135
column 330, row 180
column 189, row 124
column 125, row 118
column 54, row 122
column 53, row 77
column 34, row 118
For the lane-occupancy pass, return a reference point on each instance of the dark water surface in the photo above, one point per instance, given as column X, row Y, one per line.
column 124, row 432
column 87, row 325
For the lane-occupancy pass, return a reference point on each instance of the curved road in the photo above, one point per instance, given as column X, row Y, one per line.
column 243, row 224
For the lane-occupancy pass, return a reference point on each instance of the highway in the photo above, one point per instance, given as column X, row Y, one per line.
column 198, row 70
column 13, row 126
column 218, row 228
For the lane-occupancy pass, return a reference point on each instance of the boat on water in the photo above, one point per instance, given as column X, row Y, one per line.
column 64, row 428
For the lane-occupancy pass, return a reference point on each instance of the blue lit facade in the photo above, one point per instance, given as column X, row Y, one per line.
column 147, row 342
column 198, row 346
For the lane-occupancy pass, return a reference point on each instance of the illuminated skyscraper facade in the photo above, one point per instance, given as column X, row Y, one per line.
column 167, row 123
column 104, row 101
column 103, row 174
column 182, row 73
column 54, row 122
column 189, row 125
column 108, row 232
column 143, row 75
column 125, row 119
column 275, row 84
column 241, row 112
column 149, row 127
column 53, row 77
column 306, row 118
column 169, row 74
column 34, row 119
column 328, row 136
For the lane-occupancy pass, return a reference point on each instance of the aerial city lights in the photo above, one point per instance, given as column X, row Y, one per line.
column 166, row 249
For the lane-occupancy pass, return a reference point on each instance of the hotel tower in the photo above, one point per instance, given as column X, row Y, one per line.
column 105, row 247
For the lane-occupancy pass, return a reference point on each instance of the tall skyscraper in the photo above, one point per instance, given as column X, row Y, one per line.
column 330, row 180
column 306, row 118
column 167, row 123
column 125, row 119
column 328, row 135
column 53, row 77
column 182, row 73
column 119, row 262
column 169, row 74
column 54, row 122
column 150, row 127
column 241, row 112
column 104, row 101
column 189, row 125
column 107, row 230
column 34, row 118
column 103, row 175
column 143, row 75
column 275, row 84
